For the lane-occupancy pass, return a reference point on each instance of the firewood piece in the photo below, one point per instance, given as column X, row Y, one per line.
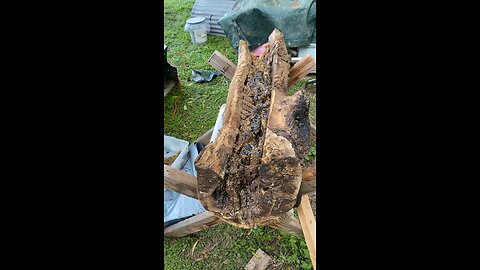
column 259, row 261
column 301, row 69
column 307, row 221
column 191, row 225
column 251, row 174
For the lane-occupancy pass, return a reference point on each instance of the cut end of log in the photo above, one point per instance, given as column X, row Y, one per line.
column 251, row 174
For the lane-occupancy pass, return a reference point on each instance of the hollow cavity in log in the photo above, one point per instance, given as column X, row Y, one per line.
column 251, row 174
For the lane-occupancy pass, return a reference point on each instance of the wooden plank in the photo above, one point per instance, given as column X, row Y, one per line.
column 228, row 68
column 186, row 184
column 222, row 64
column 309, row 182
column 288, row 224
column 259, row 261
column 205, row 138
column 194, row 224
column 301, row 69
column 179, row 181
column 296, row 59
column 307, row 221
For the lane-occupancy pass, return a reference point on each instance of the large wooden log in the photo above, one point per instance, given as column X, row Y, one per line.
column 251, row 174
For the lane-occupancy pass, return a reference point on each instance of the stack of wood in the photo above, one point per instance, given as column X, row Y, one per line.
column 251, row 174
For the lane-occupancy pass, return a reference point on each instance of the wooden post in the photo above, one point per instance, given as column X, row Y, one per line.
column 307, row 221
column 192, row 225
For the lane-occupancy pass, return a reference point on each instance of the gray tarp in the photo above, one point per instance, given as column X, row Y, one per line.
column 254, row 21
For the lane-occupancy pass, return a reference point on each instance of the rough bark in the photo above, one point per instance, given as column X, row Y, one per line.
column 251, row 174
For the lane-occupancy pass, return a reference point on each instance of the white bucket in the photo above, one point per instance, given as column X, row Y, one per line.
column 198, row 29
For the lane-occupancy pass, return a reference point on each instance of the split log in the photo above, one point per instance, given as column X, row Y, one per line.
column 251, row 174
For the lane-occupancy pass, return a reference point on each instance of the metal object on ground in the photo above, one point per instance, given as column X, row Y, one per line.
column 178, row 207
column 170, row 74
column 212, row 11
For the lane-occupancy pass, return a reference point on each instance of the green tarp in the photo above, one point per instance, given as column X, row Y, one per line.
column 254, row 21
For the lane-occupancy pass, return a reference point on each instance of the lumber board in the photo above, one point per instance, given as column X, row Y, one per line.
column 180, row 182
column 307, row 221
column 222, row 64
column 289, row 224
column 312, row 71
column 186, row 184
column 191, row 225
column 227, row 67
column 309, row 182
column 301, row 69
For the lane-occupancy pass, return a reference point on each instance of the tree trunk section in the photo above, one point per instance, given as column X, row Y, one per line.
column 251, row 174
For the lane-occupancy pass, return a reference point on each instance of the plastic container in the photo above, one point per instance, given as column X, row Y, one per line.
column 198, row 29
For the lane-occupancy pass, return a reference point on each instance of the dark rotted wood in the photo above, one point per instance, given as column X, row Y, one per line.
column 251, row 174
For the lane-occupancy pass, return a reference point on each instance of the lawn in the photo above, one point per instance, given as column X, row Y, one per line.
column 197, row 105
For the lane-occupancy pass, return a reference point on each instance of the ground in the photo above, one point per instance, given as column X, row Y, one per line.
column 190, row 111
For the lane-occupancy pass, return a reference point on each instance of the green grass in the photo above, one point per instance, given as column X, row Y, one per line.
column 197, row 108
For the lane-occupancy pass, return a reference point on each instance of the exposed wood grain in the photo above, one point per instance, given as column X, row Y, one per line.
column 186, row 184
column 309, row 182
column 251, row 174
column 312, row 71
column 301, row 69
column 191, row 225
column 227, row 68
column 307, row 221
column 288, row 224
column 259, row 261
column 179, row 181
column 222, row 64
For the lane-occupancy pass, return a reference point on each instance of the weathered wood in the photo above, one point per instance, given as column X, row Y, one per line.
column 313, row 132
column 205, row 138
column 288, row 224
column 251, row 174
column 307, row 221
column 179, row 181
column 227, row 68
column 186, row 184
column 309, row 182
column 191, row 225
column 301, row 69
column 222, row 64
column 259, row 261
